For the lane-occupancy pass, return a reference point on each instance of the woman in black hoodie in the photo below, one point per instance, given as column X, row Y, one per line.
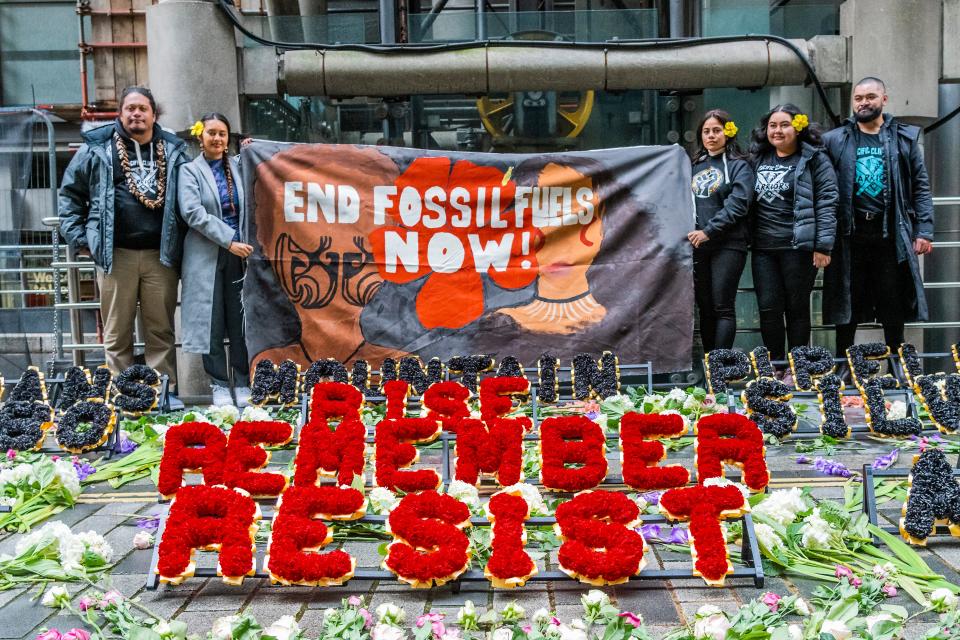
column 722, row 189
column 794, row 223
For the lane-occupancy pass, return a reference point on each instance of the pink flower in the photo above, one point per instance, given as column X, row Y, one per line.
column 889, row 590
column 86, row 602
column 354, row 601
column 367, row 618
column 709, row 401
column 54, row 458
column 76, row 634
column 11, row 454
column 555, row 621
column 436, row 623
column 842, row 572
column 632, row 619
column 52, row 634
column 772, row 600
column 527, row 628
column 855, row 581
column 112, row 598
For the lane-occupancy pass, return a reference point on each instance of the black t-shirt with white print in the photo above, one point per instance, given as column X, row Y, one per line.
column 774, row 191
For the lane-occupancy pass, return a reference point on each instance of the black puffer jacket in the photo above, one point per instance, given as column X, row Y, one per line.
column 723, row 189
column 814, row 201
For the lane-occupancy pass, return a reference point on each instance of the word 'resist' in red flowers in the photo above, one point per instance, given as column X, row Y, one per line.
column 494, row 445
column 208, row 518
column 572, row 440
column 298, row 533
column 509, row 565
column 245, row 456
column 326, row 450
column 191, row 446
column 447, row 402
column 733, row 439
column 482, row 235
column 641, row 453
column 497, row 395
column 429, row 547
column 595, row 520
column 704, row 507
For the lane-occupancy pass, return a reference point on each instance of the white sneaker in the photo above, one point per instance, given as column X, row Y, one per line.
column 243, row 396
column 221, row 396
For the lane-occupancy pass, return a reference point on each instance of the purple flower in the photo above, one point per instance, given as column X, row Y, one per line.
column 151, row 521
column 831, row 468
column 803, row 460
column 650, row 531
column 83, row 468
column 678, row 535
column 886, row 461
column 126, row 445
column 652, row 497
column 592, row 414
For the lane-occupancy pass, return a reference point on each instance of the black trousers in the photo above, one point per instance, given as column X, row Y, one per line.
column 227, row 320
column 783, row 282
column 877, row 281
column 716, row 274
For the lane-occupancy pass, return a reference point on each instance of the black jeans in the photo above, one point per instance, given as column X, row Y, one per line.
column 227, row 320
column 716, row 274
column 783, row 282
column 877, row 281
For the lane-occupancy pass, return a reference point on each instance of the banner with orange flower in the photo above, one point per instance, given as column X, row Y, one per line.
column 375, row 252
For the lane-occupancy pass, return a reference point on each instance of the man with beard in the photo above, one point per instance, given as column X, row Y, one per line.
column 885, row 218
column 117, row 205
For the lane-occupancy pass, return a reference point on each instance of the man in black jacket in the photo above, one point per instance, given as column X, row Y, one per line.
column 885, row 220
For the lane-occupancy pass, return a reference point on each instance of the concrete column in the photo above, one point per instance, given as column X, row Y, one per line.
column 192, row 58
column 898, row 41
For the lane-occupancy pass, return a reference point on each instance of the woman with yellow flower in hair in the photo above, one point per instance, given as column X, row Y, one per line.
column 210, row 195
column 722, row 189
column 794, row 223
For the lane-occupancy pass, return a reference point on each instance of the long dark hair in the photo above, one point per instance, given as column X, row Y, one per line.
column 760, row 145
column 213, row 115
column 732, row 148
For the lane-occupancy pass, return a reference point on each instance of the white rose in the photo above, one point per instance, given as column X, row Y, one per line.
column 143, row 540
column 7, row 501
column 839, row 630
column 530, row 494
column 897, row 410
column 382, row 500
column 713, row 627
column 467, row 614
column 795, row 632
column 502, row 634
column 880, row 617
column 677, row 394
column 767, row 536
column 802, row 607
column 541, row 615
column 387, row 632
column 943, row 600
column 162, row 628
column 595, row 598
column 390, row 613
column 255, row 414
column 707, row 610
column 223, row 628
column 570, row 633
column 57, row 596
column 285, row 628
column 781, row 506
column 465, row 493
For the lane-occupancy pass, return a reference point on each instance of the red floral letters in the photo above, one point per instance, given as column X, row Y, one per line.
column 191, row 446
column 509, row 565
column 734, row 439
column 573, row 440
column 640, row 455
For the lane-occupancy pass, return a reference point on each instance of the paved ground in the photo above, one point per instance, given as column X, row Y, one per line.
column 663, row 604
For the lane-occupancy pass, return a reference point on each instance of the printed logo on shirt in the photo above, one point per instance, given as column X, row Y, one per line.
column 144, row 176
column 870, row 174
column 772, row 181
column 706, row 182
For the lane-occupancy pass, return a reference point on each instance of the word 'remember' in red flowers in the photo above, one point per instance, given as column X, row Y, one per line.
column 394, row 449
column 574, row 440
column 705, row 507
column 509, row 565
column 429, row 545
column 600, row 545
column 245, row 456
column 298, row 534
column 733, row 439
column 326, row 450
column 209, row 518
column 641, row 451
column 191, row 446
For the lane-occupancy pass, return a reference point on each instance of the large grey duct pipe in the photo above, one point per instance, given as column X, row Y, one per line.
column 482, row 70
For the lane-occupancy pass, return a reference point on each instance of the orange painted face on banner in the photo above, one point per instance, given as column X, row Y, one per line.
column 320, row 251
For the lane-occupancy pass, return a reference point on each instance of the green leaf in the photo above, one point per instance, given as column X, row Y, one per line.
column 142, row 633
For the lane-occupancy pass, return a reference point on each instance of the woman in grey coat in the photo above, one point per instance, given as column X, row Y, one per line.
column 210, row 195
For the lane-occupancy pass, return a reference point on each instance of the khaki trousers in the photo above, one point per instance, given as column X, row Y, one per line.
column 138, row 275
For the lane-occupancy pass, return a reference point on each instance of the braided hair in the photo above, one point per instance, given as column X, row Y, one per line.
column 227, row 172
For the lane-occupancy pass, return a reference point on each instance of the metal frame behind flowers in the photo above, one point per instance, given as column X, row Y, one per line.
column 752, row 568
